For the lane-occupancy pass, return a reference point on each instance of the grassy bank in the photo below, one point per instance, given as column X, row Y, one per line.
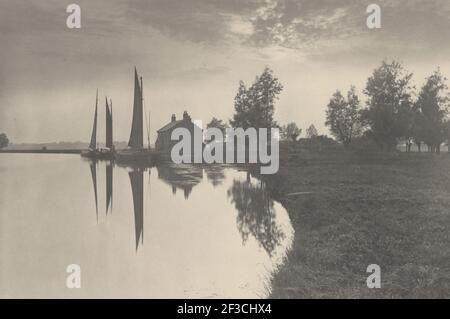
column 387, row 209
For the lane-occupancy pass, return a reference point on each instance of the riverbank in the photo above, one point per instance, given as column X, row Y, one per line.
column 350, row 210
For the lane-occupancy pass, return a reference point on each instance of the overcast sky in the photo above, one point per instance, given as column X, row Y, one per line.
column 192, row 54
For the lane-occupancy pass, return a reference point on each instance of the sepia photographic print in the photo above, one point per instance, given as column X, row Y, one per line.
column 224, row 149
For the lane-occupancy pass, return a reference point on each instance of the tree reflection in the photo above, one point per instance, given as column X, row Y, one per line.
column 256, row 214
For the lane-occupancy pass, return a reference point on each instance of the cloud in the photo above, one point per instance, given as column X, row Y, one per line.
column 312, row 26
column 205, row 21
column 318, row 28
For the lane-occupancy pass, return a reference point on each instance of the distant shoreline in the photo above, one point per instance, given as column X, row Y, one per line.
column 38, row 151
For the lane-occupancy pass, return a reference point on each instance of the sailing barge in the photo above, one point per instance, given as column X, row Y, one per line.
column 108, row 151
column 136, row 152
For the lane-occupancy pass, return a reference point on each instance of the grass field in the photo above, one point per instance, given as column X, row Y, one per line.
column 387, row 209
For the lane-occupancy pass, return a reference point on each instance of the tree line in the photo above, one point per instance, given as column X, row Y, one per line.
column 393, row 110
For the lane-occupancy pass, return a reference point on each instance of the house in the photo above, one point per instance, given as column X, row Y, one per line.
column 163, row 142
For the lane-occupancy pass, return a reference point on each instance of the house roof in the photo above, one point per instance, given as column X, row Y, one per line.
column 169, row 126
column 173, row 124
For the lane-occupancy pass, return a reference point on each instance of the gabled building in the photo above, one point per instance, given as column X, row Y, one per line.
column 163, row 142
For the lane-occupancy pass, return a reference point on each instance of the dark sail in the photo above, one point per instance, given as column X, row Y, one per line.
column 111, row 114
column 109, row 137
column 109, row 187
column 93, row 144
column 137, row 187
column 93, row 166
column 136, row 137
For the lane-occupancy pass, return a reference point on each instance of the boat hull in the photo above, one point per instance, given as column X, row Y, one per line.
column 89, row 154
column 101, row 155
column 141, row 157
column 106, row 155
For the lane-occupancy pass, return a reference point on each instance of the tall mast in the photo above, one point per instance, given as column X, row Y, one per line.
column 148, row 123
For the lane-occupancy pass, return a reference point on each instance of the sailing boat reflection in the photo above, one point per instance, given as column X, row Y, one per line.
column 93, row 166
column 256, row 213
column 136, row 176
column 137, row 187
column 184, row 177
column 109, row 186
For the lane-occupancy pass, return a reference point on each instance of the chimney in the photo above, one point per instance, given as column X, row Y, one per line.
column 186, row 116
column 174, row 118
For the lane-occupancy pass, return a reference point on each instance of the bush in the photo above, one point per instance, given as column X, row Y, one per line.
column 4, row 142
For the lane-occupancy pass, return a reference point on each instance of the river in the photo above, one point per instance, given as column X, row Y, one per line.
column 161, row 232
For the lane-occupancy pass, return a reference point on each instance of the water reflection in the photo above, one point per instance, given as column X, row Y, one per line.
column 255, row 209
column 193, row 243
column 137, row 187
column 93, row 167
column 109, row 185
column 184, row 177
column 256, row 213
column 136, row 175
column 215, row 174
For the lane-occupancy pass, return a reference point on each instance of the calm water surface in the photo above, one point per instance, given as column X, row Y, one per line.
column 171, row 231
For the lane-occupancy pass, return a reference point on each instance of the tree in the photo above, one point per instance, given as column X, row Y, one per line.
column 311, row 131
column 417, row 127
column 254, row 106
column 343, row 116
column 290, row 131
column 388, row 105
column 433, row 103
column 216, row 123
column 4, row 141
